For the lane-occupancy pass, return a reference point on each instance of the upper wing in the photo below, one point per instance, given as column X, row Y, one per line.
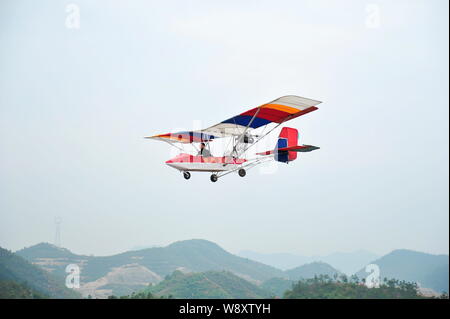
column 278, row 111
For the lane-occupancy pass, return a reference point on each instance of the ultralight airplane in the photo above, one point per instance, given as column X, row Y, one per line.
column 239, row 129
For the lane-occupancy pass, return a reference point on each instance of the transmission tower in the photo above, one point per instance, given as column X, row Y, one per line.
column 58, row 231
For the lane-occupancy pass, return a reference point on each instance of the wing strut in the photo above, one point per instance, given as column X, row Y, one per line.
column 259, row 139
column 245, row 131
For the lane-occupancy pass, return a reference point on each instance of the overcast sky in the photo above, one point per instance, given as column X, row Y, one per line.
column 76, row 102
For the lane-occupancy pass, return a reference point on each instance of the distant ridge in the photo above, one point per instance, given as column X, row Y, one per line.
column 347, row 262
column 430, row 271
column 311, row 270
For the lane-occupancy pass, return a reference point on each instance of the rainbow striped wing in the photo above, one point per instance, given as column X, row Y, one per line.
column 278, row 111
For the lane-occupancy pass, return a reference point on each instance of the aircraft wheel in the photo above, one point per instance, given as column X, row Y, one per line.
column 187, row 175
column 242, row 172
column 214, row 178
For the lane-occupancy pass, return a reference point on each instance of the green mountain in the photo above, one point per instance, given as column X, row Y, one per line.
column 310, row 270
column 134, row 270
column 204, row 285
column 14, row 290
column 46, row 250
column 429, row 271
column 18, row 276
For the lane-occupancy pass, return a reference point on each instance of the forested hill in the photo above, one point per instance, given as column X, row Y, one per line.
column 194, row 255
column 325, row 287
column 210, row 284
column 18, row 276
column 15, row 290
column 134, row 270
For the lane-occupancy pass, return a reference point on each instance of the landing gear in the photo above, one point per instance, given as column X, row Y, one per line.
column 214, row 178
column 242, row 172
column 187, row 175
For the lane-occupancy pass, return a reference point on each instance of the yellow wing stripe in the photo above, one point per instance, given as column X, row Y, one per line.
column 281, row 107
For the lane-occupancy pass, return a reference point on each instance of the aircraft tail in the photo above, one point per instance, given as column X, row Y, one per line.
column 288, row 137
column 286, row 148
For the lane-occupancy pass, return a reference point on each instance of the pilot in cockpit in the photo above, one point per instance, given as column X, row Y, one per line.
column 203, row 151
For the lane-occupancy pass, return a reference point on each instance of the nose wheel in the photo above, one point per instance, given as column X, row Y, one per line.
column 242, row 172
column 214, row 178
column 186, row 175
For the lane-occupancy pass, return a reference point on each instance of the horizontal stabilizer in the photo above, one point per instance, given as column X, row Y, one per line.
column 297, row 148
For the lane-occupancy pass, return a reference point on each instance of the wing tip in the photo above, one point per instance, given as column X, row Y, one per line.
column 153, row 136
column 312, row 102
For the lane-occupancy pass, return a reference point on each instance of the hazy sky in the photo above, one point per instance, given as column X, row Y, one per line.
column 75, row 104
